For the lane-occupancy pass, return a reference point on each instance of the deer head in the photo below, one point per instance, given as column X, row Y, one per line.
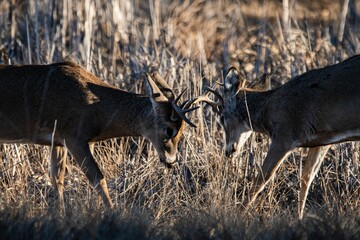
column 312, row 110
column 169, row 119
column 236, row 124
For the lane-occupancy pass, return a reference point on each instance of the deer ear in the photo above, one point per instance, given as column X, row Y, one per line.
column 163, row 86
column 261, row 83
column 233, row 80
column 156, row 95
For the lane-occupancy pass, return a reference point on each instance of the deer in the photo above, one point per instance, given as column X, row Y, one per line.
column 63, row 106
column 314, row 110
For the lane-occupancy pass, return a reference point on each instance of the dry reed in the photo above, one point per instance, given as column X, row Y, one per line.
column 191, row 43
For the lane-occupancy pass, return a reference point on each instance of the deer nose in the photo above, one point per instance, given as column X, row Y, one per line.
column 167, row 165
column 169, row 160
column 230, row 150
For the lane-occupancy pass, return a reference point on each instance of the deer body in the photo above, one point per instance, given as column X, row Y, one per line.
column 64, row 106
column 314, row 110
column 41, row 99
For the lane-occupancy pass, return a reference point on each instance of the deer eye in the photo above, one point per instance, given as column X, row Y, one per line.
column 169, row 133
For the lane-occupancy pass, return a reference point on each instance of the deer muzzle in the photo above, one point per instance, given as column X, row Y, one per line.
column 169, row 160
column 230, row 150
column 234, row 146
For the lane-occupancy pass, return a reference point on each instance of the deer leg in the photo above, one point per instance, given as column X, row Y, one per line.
column 81, row 153
column 312, row 165
column 57, row 172
column 275, row 156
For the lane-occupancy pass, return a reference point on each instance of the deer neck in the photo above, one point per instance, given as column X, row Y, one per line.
column 124, row 114
column 254, row 106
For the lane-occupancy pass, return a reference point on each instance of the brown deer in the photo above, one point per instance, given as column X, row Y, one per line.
column 64, row 106
column 313, row 110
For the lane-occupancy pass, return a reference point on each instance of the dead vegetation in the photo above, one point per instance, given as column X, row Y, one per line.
column 191, row 43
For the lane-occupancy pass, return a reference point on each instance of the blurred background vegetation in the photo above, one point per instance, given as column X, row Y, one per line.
column 191, row 43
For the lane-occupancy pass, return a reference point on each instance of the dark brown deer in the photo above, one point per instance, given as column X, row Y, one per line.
column 64, row 106
column 313, row 110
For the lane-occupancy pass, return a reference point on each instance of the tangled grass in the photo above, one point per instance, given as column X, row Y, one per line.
column 191, row 43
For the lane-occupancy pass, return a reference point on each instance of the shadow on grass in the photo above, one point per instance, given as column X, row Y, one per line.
column 19, row 223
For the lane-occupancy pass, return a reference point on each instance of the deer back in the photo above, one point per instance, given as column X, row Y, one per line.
column 47, row 104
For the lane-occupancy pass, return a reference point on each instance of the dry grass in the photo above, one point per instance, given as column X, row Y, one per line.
column 191, row 43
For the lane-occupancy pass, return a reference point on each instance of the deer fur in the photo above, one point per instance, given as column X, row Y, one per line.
column 64, row 106
column 314, row 110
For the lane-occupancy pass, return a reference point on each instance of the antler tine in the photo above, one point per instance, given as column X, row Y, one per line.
column 184, row 105
column 216, row 94
column 215, row 105
column 186, row 110
column 187, row 104
column 220, row 83
column 181, row 112
column 180, row 95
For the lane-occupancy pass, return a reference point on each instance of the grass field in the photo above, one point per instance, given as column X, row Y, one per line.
column 192, row 44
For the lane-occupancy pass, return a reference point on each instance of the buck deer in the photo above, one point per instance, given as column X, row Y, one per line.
column 64, row 106
column 313, row 110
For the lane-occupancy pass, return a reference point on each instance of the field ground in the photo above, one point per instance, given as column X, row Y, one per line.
column 191, row 43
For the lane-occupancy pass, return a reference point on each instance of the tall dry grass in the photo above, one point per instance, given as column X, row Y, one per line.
column 191, row 43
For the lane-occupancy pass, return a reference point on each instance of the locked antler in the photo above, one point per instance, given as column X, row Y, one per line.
column 216, row 105
column 183, row 108
column 166, row 90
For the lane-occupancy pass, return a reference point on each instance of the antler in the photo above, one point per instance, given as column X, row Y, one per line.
column 181, row 113
column 162, row 92
column 205, row 98
column 180, row 95
column 213, row 91
column 183, row 108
